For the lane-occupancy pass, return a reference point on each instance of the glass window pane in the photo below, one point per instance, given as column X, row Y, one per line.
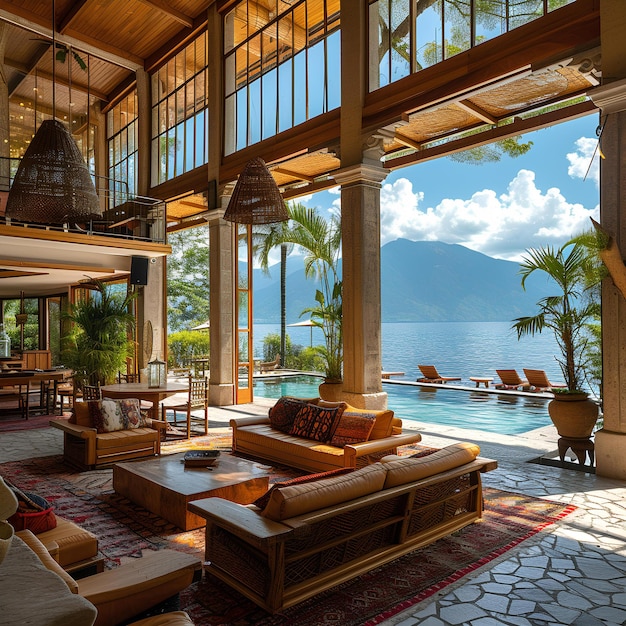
column 457, row 32
column 285, row 108
column 524, row 11
column 333, row 71
column 242, row 118
column 254, row 112
column 242, row 315
column 429, row 34
column 243, row 377
column 270, row 104
column 400, row 35
column 490, row 20
column 316, row 80
column 300, row 88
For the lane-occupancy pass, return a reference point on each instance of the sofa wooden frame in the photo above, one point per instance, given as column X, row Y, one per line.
column 279, row 564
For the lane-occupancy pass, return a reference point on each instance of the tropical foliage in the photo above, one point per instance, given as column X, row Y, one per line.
column 99, row 342
column 319, row 240
column 569, row 312
column 188, row 278
column 185, row 345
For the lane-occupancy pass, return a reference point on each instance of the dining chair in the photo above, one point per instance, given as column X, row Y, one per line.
column 197, row 398
column 19, row 394
column 92, row 392
column 128, row 377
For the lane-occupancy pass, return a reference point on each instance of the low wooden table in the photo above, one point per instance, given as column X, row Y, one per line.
column 164, row 486
column 485, row 380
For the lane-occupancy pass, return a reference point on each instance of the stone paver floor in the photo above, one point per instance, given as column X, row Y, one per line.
column 573, row 573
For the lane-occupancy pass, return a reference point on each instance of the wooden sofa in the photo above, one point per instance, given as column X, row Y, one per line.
column 256, row 437
column 313, row 536
column 85, row 448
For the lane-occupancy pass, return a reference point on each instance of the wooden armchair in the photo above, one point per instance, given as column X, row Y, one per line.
column 198, row 398
column 270, row 365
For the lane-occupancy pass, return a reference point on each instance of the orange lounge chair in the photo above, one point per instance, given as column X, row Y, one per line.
column 431, row 375
column 510, row 380
column 538, row 380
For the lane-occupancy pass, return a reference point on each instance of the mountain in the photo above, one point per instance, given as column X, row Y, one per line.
column 421, row 281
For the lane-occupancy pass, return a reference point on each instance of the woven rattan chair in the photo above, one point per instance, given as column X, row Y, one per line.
column 198, row 398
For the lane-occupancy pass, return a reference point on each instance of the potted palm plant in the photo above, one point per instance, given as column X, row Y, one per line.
column 567, row 314
column 98, row 344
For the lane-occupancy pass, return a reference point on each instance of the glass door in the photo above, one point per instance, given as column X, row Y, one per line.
column 245, row 359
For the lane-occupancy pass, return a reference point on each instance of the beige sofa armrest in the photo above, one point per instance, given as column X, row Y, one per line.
column 380, row 445
column 84, row 432
column 240, row 520
column 249, row 421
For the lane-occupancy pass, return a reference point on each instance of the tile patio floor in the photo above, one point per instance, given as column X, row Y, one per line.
column 574, row 573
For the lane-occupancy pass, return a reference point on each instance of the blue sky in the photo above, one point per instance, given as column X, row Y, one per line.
column 500, row 209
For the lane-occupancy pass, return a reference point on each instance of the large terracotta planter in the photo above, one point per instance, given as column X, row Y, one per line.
column 574, row 415
column 331, row 390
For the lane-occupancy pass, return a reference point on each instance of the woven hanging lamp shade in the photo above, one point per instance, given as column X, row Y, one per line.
column 52, row 184
column 256, row 198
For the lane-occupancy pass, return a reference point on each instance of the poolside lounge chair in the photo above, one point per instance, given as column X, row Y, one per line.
column 538, row 380
column 431, row 375
column 510, row 380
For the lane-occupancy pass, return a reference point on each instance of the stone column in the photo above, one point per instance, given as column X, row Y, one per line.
column 360, row 228
column 222, row 251
column 610, row 442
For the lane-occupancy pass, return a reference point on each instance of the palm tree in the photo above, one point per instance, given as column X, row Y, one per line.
column 567, row 313
column 98, row 345
column 320, row 240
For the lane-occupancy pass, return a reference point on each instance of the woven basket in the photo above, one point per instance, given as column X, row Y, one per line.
column 256, row 198
column 52, row 184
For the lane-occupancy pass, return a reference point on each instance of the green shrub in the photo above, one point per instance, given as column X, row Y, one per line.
column 185, row 345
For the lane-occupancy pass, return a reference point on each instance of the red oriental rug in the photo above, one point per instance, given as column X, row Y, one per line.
column 125, row 530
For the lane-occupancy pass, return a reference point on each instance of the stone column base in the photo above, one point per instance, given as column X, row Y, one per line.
column 374, row 401
column 610, row 458
column 221, row 395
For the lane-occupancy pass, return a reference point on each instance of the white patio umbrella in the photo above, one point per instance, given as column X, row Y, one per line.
column 203, row 326
column 309, row 323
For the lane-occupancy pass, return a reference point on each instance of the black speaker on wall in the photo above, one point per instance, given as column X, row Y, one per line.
column 139, row 270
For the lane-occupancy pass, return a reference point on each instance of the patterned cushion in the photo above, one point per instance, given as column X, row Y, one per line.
column 353, row 428
column 317, row 423
column 283, row 413
column 308, row 478
column 109, row 415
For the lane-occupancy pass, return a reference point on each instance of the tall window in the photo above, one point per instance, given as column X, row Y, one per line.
column 179, row 113
column 282, row 67
column 409, row 35
column 122, row 141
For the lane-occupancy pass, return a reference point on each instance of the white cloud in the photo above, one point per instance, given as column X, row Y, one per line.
column 585, row 162
column 502, row 227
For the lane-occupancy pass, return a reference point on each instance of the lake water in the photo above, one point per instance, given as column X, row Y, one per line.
column 457, row 349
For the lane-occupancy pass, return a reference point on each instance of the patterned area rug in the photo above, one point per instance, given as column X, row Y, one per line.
column 10, row 422
column 125, row 530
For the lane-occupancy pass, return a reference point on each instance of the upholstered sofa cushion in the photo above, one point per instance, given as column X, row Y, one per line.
column 283, row 413
column 401, row 471
column 110, row 415
column 383, row 420
column 300, row 480
column 81, row 415
column 300, row 499
column 352, row 428
column 130, row 437
column 316, row 422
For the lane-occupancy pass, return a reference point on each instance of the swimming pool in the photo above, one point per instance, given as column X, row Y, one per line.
column 506, row 414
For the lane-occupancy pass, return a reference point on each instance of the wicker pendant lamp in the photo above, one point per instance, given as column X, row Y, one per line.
column 52, row 184
column 256, row 198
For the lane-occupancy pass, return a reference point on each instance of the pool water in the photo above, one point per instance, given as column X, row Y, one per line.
column 505, row 414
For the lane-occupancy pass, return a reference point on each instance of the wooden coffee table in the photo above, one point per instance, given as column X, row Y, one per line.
column 163, row 485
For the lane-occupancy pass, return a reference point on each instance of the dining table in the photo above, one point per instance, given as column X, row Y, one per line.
column 43, row 377
column 143, row 391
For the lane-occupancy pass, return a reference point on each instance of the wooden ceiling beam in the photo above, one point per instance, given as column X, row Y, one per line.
column 304, row 190
column 171, row 12
column 476, row 111
column 55, row 266
column 292, row 174
column 406, row 141
column 18, row 16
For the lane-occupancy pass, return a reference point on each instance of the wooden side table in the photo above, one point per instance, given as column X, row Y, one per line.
column 485, row 380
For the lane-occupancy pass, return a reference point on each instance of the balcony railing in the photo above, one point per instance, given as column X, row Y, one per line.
column 124, row 215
